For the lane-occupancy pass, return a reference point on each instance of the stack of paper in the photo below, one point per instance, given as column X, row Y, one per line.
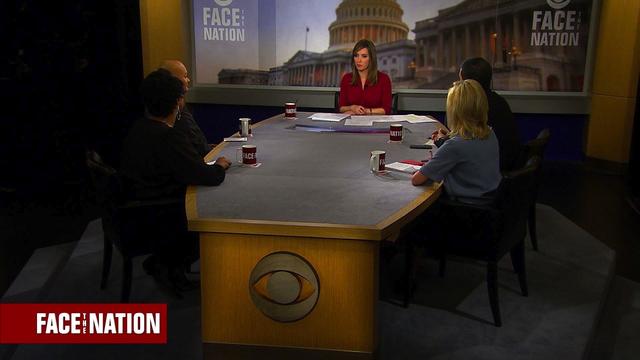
column 417, row 119
column 368, row 120
column 328, row 117
column 405, row 168
column 235, row 139
column 358, row 121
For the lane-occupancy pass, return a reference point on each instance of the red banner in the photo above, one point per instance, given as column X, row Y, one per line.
column 83, row 323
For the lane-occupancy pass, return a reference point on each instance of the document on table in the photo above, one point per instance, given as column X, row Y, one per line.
column 368, row 120
column 359, row 121
column 235, row 139
column 405, row 168
column 328, row 117
column 387, row 118
column 417, row 119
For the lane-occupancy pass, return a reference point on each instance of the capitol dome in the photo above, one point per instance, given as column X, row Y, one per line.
column 376, row 20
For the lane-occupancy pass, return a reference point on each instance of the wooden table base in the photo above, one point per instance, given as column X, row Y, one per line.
column 341, row 325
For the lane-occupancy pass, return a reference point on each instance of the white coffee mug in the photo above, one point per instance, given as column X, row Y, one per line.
column 377, row 160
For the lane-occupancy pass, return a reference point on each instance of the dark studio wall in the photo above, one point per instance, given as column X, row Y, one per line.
column 70, row 77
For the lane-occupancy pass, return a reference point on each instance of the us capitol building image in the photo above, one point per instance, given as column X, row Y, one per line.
column 501, row 34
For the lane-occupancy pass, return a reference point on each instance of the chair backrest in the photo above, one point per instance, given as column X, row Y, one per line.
column 514, row 201
column 105, row 180
column 517, row 183
column 394, row 103
column 130, row 226
column 537, row 146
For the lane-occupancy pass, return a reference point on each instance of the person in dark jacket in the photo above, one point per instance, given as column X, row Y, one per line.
column 158, row 162
column 186, row 123
column 501, row 118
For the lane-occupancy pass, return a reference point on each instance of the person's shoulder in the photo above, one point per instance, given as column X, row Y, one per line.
column 492, row 135
column 452, row 143
column 145, row 124
column 496, row 99
column 346, row 78
column 382, row 77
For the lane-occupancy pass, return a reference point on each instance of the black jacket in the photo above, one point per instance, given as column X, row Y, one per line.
column 190, row 129
column 506, row 130
column 158, row 161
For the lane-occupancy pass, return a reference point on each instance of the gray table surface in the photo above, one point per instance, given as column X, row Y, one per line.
column 317, row 177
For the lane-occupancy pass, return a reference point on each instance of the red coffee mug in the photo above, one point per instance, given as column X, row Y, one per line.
column 395, row 132
column 248, row 154
column 290, row 110
column 377, row 161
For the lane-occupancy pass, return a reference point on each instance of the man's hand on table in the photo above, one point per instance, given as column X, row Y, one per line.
column 222, row 161
column 440, row 134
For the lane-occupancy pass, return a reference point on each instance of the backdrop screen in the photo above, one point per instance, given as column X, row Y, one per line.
column 533, row 45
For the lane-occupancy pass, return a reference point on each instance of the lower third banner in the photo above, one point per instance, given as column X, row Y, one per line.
column 83, row 323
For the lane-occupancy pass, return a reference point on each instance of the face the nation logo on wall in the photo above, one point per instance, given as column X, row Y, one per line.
column 226, row 36
column 556, row 27
column 558, row 4
column 223, row 23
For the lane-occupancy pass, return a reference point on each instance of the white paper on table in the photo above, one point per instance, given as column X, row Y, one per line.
column 405, row 168
column 417, row 119
column 235, row 139
column 358, row 121
column 328, row 117
column 385, row 118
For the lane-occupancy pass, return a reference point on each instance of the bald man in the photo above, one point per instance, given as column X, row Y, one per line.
column 185, row 123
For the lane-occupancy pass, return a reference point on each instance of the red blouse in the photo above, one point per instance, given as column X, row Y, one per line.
column 372, row 96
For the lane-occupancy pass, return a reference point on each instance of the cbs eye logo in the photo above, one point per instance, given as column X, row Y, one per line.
column 223, row 2
column 284, row 286
column 558, row 4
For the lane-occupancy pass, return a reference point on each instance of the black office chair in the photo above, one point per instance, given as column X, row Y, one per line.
column 132, row 227
column 536, row 147
column 394, row 103
column 486, row 232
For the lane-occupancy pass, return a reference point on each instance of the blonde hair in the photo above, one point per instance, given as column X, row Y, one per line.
column 372, row 72
column 467, row 109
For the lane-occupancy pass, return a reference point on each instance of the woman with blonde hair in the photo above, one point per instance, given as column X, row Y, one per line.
column 365, row 90
column 469, row 160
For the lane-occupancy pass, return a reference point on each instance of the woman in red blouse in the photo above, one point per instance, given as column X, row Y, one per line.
column 365, row 91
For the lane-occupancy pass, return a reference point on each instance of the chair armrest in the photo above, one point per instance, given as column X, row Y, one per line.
column 490, row 206
column 133, row 204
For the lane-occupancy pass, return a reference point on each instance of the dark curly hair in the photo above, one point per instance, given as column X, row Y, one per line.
column 161, row 92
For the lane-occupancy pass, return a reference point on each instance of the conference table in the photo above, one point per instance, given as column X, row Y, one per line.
column 289, row 248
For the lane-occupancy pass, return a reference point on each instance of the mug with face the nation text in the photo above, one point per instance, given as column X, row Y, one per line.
column 248, row 154
column 377, row 161
column 395, row 132
column 290, row 110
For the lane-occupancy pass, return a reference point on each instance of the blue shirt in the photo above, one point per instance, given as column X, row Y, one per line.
column 469, row 168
